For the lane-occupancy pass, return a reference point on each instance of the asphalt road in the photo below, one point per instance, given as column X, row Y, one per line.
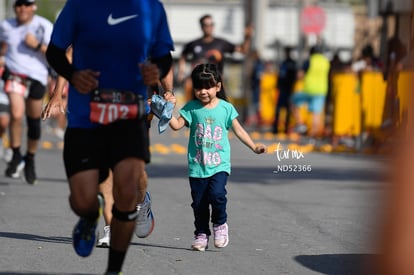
column 319, row 219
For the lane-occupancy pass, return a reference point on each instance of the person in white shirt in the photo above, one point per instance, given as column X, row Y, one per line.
column 4, row 113
column 23, row 43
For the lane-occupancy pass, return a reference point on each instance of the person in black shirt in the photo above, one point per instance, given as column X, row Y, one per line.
column 208, row 49
column 285, row 83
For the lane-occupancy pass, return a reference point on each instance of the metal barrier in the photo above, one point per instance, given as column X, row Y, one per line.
column 347, row 105
column 268, row 98
column 373, row 92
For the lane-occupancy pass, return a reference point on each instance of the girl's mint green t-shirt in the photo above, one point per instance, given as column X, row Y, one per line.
column 208, row 145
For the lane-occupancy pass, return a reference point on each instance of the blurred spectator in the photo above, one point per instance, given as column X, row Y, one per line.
column 4, row 112
column 23, row 42
column 315, row 73
column 337, row 66
column 258, row 68
column 208, row 49
column 368, row 61
column 396, row 51
column 285, row 83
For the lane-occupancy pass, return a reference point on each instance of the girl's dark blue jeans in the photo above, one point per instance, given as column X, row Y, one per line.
column 206, row 192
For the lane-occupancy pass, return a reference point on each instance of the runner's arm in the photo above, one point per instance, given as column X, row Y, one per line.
column 59, row 61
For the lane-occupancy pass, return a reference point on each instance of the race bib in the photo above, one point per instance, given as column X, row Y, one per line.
column 108, row 106
column 17, row 84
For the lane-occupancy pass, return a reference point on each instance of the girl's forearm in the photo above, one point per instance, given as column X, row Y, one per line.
column 175, row 124
column 242, row 135
column 245, row 138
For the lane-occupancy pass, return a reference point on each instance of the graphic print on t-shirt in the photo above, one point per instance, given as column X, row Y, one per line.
column 207, row 142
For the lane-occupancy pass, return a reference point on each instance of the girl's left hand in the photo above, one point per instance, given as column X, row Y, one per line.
column 260, row 149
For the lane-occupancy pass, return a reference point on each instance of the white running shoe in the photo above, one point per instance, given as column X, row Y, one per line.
column 105, row 240
column 14, row 167
column 145, row 220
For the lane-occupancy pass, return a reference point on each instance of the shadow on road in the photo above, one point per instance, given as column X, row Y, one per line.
column 336, row 264
column 267, row 174
column 30, row 237
column 159, row 246
column 7, row 181
column 246, row 174
column 54, row 180
column 168, row 247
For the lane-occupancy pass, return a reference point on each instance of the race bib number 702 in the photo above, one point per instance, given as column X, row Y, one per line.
column 108, row 106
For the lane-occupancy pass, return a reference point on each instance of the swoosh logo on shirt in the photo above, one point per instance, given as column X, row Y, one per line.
column 114, row 21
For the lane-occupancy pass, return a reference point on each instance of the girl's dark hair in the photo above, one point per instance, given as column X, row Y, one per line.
column 205, row 76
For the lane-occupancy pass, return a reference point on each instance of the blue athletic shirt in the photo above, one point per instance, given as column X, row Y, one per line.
column 111, row 37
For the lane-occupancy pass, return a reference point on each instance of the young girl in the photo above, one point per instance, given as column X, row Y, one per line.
column 209, row 117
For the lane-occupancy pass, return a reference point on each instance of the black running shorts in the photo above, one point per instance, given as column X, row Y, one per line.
column 36, row 90
column 103, row 147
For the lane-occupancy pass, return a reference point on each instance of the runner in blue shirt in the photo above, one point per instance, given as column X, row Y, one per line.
column 107, row 126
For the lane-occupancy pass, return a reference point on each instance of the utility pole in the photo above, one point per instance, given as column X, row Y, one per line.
column 2, row 9
column 259, row 18
column 301, row 37
column 255, row 15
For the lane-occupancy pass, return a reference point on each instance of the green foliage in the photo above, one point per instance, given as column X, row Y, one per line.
column 49, row 8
